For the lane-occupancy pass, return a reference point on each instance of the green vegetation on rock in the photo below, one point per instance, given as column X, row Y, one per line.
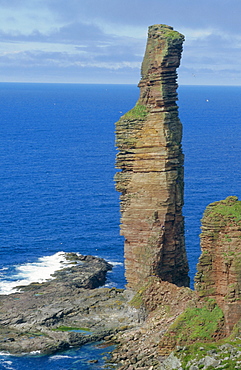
column 128, row 126
column 197, row 324
column 224, row 354
column 137, row 300
column 226, row 210
column 166, row 32
column 174, row 35
column 139, row 112
column 71, row 328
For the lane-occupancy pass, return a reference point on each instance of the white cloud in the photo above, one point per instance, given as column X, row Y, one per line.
column 196, row 34
column 137, row 32
column 110, row 65
column 111, row 34
column 18, row 47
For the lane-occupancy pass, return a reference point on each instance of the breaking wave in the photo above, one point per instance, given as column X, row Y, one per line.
column 36, row 272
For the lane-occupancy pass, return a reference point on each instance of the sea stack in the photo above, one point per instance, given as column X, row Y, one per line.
column 150, row 160
column 219, row 267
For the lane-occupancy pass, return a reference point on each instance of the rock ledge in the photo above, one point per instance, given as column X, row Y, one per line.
column 70, row 310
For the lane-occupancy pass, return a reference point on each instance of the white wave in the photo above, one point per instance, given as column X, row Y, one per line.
column 3, row 271
column 8, row 287
column 59, row 357
column 115, row 263
column 35, row 272
column 110, row 285
column 34, row 353
column 6, row 364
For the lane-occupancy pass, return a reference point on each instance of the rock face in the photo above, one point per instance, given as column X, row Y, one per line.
column 219, row 267
column 144, row 348
column 150, row 158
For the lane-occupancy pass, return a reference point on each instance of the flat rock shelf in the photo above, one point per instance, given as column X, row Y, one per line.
column 69, row 310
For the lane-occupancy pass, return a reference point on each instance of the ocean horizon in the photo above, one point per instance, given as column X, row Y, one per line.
column 57, row 149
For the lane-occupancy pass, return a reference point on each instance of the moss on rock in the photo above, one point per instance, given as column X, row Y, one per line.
column 226, row 210
column 196, row 324
column 139, row 112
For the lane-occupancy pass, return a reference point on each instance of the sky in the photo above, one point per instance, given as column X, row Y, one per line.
column 103, row 41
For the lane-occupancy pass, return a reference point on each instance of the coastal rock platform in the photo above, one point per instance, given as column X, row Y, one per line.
column 67, row 311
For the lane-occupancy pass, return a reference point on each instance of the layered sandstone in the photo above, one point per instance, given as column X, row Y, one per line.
column 151, row 162
column 219, row 267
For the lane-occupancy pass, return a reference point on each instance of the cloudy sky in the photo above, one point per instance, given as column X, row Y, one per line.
column 103, row 41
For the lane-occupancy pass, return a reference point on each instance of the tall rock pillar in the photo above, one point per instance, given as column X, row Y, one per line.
column 150, row 158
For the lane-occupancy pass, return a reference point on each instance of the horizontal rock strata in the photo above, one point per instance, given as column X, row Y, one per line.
column 150, row 158
column 219, row 267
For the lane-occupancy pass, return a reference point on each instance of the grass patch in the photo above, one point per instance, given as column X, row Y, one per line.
column 197, row 324
column 137, row 300
column 172, row 35
column 138, row 112
column 71, row 328
column 197, row 351
column 227, row 350
column 229, row 209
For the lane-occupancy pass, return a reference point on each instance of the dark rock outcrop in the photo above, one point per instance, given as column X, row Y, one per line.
column 50, row 316
column 150, row 158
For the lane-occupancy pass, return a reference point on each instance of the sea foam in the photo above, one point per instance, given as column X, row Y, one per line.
column 35, row 272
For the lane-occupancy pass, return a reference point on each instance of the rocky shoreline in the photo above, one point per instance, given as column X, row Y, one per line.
column 67, row 311
column 158, row 322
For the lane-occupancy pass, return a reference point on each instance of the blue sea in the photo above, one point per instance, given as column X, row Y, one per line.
column 57, row 150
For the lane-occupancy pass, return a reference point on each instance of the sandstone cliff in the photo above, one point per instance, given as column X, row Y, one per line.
column 151, row 162
column 187, row 329
column 161, row 324
column 219, row 267
column 181, row 326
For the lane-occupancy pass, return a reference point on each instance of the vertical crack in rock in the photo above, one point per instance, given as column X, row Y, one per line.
column 150, row 158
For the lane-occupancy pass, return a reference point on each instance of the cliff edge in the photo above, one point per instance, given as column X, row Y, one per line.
column 159, row 323
column 150, row 158
column 219, row 268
